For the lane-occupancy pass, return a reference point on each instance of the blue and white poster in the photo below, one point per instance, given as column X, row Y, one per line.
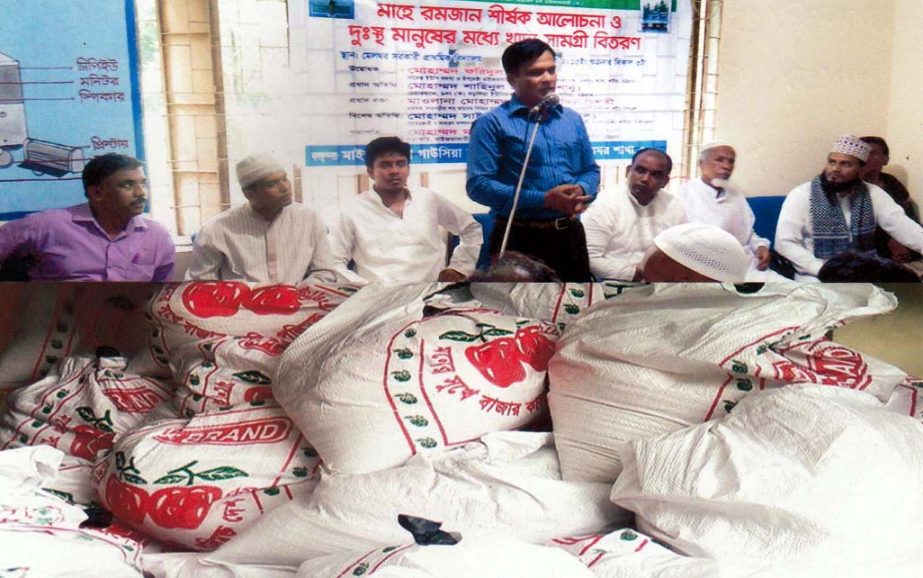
column 68, row 92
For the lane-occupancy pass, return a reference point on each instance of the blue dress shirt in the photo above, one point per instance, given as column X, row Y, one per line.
column 562, row 155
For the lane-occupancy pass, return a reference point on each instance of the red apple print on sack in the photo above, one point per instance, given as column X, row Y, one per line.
column 182, row 507
column 126, row 502
column 534, row 347
column 215, row 298
column 88, row 441
column 498, row 361
column 274, row 300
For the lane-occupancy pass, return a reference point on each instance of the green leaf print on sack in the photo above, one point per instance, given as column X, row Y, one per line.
column 402, row 375
column 417, row 420
column 253, row 376
column 103, row 423
column 187, row 475
column 738, row 366
column 404, row 353
column 407, row 398
column 428, row 443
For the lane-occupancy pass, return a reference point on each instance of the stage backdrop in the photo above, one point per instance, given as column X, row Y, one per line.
column 68, row 92
column 424, row 70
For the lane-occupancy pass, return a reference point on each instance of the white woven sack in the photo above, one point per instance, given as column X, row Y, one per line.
column 627, row 553
column 79, row 408
column 659, row 358
column 485, row 556
column 199, row 482
column 182, row 313
column 508, row 483
column 395, row 372
column 796, row 481
column 40, row 534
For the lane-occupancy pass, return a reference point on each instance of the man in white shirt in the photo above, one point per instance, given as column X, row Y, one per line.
column 392, row 233
column 621, row 226
column 838, row 212
column 712, row 199
column 267, row 240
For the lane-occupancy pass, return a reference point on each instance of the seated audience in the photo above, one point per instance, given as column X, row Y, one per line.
column 269, row 239
column 838, row 212
column 620, row 226
column 713, row 199
column 852, row 267
column 696, row 252
column 879, row 157
column 105, row 239
column 392, row 234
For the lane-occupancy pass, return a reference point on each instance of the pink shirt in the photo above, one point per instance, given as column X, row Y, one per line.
column 69, row 245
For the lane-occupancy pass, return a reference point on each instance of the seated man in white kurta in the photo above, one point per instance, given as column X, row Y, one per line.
column 267, row 240
column 838, row 212
column 621, row 226
column 392, row 233
column 713, row 200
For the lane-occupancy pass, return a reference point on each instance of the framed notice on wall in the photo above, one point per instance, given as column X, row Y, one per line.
column 69, row 91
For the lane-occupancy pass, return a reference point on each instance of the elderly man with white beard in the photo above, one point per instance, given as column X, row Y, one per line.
column 713, row 199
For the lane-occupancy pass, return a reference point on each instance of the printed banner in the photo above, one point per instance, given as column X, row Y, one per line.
column 65, row 97
column 425, row 70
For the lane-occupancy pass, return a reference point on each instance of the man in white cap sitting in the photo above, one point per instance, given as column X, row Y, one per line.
column 267, row 240
column 713, row 199
column 838, row 212
column 696, row 252
column 620, row 226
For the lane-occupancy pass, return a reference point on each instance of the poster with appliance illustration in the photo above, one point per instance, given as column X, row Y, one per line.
column 68, row 92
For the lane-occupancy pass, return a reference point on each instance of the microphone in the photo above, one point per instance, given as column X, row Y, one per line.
column 547, row 101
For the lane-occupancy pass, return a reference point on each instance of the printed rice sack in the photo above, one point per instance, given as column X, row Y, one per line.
column 79, row 408
column 402, row 372
column 802, row 480
column 485, row 555
column 508, row 483
column 627, row 553
column 557, row 303
column 40, row 534
column 907, row 400
column 213, row 374
column 199, row 482
column 272, row 315
column 659, row 358
column 45, row 322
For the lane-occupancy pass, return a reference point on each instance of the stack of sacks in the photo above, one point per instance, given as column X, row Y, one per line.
column 40, row 534
column 626, row 553
column 508, row 483
column 557, row 303
column 79, row 408
column 402, row 371
column 659, row 358
column 223, row 452
column 797, row 481
column 42, row 323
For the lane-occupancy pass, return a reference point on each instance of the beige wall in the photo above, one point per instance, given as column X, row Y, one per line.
column 794, row 75
column 905, row 117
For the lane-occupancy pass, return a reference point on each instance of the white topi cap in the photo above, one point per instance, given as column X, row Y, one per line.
column 707, row 250
column 848, row 144
column 256, row 167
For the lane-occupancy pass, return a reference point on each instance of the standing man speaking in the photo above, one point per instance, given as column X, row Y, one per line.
column 561, row 178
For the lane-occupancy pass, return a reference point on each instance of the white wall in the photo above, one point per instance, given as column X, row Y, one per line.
column 795, row 75
column 905, row 116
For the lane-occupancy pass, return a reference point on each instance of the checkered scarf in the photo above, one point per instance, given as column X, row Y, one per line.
column 831, row 237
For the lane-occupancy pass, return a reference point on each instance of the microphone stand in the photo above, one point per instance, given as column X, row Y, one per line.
column 522, row 176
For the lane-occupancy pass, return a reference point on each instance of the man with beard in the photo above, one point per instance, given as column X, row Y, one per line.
column 392, row 233
column 269, row 239
column 105, row 239
column 838, row 212
column 712, row 199
column 562, row 175
column 620, row 227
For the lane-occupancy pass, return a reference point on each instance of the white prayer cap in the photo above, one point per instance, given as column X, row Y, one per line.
column 715, row 144
column 848, row 144
column 256, row 167
column 707, row 250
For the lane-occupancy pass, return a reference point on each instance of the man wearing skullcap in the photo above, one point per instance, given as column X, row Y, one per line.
column 267, row 240
column 838, row 212
column 696, row 252
column 621, row 226
column 715, row 200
